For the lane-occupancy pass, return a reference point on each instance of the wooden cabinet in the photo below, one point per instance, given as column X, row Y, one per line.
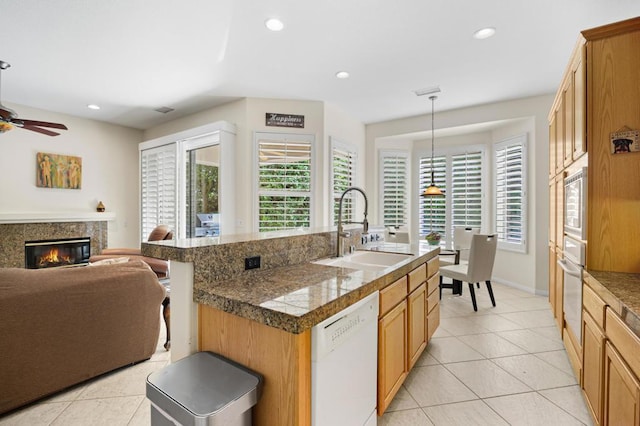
column 558, row 311
column 592, row 364
column 392, row 354
column 409, row 315
column 621, row 390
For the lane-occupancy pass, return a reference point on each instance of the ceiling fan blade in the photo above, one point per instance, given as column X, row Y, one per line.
column 39, row 130
column 6, row 113
column 42, row 124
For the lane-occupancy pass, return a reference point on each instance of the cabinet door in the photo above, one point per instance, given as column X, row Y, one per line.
column 552, row 212
column 592, row 364
column 417, row 323
column 559, row 211
column 579, row 111
column 559, row 119
column 552, row 279
column 392, row 354
column 621, row 391
column 568, row 121
column 558, row 311
column 552, row 147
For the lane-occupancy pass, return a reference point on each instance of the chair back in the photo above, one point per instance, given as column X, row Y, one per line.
column 462, row 236
column 481, row 257
column 160, row 232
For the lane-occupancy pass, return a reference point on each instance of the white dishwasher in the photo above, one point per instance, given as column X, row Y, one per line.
column 344, row 360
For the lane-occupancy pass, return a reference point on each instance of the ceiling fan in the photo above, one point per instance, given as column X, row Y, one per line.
column 9, row 118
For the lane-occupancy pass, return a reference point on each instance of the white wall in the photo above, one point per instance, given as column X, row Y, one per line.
column 109, row 171
column 527, row 271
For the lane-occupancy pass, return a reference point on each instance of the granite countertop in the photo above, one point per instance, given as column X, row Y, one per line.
column 294, row 298
column 621, row 291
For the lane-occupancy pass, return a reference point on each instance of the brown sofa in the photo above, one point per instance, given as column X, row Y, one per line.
column 60, row 327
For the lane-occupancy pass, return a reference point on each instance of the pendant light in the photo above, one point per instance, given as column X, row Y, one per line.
column 432, row 190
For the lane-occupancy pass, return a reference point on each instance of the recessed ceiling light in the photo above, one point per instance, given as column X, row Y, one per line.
column 274, row 24
column 93, row 106
column 342, row 74
column 483, row 33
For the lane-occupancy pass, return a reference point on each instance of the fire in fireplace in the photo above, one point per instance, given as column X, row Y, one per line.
column 57, row 253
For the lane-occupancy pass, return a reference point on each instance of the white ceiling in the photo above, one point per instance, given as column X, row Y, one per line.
column 132, row 56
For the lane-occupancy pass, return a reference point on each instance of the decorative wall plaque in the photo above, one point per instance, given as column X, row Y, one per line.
column 58, row 171
column 274, row 119
column 625, row 140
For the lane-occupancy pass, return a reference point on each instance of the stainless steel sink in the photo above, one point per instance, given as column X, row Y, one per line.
column 365, row 260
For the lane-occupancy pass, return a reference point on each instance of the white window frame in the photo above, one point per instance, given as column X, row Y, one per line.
column 516, row 246
column 335, row 144
column 283, row 137
column 449, row 153
column 381, row 183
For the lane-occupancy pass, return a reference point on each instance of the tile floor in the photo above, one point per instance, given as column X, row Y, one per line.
column 499, row 366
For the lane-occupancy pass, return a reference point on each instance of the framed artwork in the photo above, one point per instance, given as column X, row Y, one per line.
column 58, row 171
column 625, row 140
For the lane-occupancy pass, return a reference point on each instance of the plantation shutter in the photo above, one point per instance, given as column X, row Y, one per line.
column 158, row 176
column 466, row 190
column 394, row 188
column 510, row 190
column 344, row 162
column 284, row 184
column 432, row 216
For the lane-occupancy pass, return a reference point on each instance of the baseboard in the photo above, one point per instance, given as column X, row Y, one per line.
column 520, row 287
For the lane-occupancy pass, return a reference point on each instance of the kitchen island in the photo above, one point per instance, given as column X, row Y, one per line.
column 262, row 318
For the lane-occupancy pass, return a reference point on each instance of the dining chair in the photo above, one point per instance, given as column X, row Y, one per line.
column 461, row 243
column 482, row 254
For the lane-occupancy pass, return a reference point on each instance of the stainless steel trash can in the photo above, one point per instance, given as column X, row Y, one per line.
column 203, row 389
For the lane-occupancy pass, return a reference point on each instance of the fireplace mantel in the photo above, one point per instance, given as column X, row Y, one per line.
column 47, row 217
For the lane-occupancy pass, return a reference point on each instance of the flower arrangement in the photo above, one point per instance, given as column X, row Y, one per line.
column 4, row 127
column 433, row 238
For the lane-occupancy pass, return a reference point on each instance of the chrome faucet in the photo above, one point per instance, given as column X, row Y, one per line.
column 365, row 224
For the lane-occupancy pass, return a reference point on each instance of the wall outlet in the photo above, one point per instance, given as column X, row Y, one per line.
column 251, row 262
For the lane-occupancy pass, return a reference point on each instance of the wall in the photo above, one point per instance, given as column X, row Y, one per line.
column 109, row 171
column 527, row 271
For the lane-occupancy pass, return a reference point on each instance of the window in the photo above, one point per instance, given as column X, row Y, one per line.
column 284, row 181
column 343, row 165
column 510, row 193
column 158, row 188
column 393, row 187
column 459, row 176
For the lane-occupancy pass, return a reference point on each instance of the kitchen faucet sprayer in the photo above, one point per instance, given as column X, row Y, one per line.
column 365, row 222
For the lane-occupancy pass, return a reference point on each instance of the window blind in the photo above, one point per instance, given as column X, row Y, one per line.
column 284, row 184
column 510, row 185
column 158, row 177
column 394, row 178
column 432, row 214
column 466, row 190
column 343, row 162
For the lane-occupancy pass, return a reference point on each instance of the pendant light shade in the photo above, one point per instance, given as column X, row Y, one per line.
column 432, row 190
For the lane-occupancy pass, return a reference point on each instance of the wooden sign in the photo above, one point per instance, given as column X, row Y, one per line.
column 625, row 140
column 284, row 120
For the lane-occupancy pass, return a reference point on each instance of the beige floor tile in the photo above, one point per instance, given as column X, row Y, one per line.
column 97, row 412
column 494, row 322
column 440, row 332
column 536, row 373
column 571, row 400
column 434, row 384
column 531, row 341
column 551, row 332
column 491, row 345
column 402, row 401
column 70, row 394
column 529, row 303
column 475, row 413
column 486, row 379
column 415, row 417
column 558, row 359
column 531, row 409
column 125, row 382
column 35, row 415
column 451, row 349
column 426, row 359
column 460, row 326
column 531, row 319
column 142, row 416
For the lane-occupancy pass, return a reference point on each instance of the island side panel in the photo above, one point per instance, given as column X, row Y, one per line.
column 284, row 359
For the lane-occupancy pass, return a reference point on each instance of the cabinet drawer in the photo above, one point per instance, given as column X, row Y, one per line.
column 594, row 305
column 433, row 321
column 417, row 277
column 392, row 294
column 433, row 266
column 433, row 283
column 625, row 341
column 432, row 300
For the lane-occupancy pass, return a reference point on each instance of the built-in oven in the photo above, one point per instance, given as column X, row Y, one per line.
column 573, row 264
column 575, row 196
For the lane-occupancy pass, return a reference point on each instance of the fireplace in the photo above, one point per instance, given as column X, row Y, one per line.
column 57, row 253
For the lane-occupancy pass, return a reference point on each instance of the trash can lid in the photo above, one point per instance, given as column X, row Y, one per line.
column 203, row 384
